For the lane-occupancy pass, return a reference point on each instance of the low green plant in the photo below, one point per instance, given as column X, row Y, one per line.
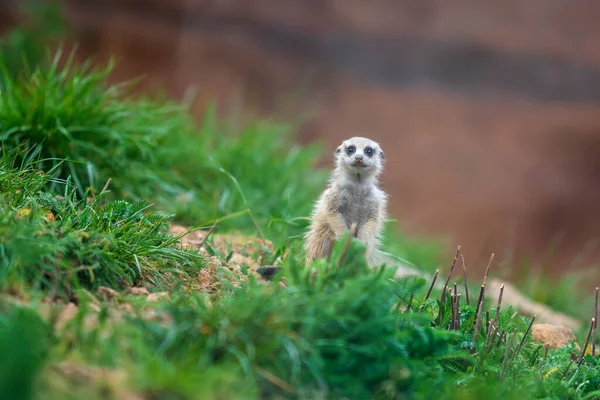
column 64, row 242
column 92, row 131
column 337, row 329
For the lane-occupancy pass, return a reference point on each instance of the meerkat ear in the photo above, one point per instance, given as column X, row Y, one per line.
column 338, row 150
column 382, row 154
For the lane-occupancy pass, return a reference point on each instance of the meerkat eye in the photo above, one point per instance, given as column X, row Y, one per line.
column 350, row 150
column 369, row 151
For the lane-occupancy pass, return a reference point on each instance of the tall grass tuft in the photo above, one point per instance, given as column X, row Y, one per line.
column 91, row 131
column 73, row 114
column 63, row 242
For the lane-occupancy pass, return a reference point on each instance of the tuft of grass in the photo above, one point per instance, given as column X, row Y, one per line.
column 72, row 114
column 93, row 131
column 257, row 168
column 64, row 242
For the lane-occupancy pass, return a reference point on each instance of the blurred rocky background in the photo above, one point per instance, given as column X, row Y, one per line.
column 489, row 112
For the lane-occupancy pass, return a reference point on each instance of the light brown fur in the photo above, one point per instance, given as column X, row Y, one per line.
column 351, row 197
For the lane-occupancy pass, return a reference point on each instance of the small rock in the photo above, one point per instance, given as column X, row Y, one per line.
column 114, row 382
column 554, row 336
column 158, row 296
column 106, row 292
column 207, row 275
column 205, row 279
column 127, row 308
column 66, row 314
column 157, row 316
column 139, row 291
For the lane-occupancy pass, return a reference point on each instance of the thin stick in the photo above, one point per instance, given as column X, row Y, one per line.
column 105, row 188
column 524, row 337
column 410, row 301
column 443, row 300
column 499, row 305
column 478, row 320
column 489, row 333
column 208, row 234
column 465, row 278
column 487, row 323
column 262, row 237
column 546, row 348
column 566, row 370
column 481, row 299
column 458, row 312
column 437, row 271
column 506, row 352
column 454, row 308
column 501, row 337
column 487, row 270
column 482, row 290
column 275, row 380
column 595, row 337
column 489, row 340
column 453, row 303
column 587, row 342
column 452, row 266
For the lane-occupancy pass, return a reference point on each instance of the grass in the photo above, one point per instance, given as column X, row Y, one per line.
column 151, row 151
column 92, row 131
column 63, row 242
column 311, row 338
column 91, row 175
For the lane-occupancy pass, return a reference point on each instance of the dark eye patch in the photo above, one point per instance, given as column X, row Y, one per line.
column 369, row 151
column 350, row 150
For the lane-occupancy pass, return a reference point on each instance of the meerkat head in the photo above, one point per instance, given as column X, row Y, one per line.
column 359, row 156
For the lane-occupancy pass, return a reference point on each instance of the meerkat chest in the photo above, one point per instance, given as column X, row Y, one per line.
column 356, row 205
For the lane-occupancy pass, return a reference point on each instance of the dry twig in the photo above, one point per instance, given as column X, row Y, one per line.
column 465, row 278
column 524, row 337
column 443, row 300
column 437, row 271
column 212, row 228
column 587, row 342
column 594, row 335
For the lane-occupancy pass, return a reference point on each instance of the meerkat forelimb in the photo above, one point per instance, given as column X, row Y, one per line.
column 352, row 196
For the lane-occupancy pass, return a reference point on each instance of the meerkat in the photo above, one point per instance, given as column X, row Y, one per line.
column 351, row 200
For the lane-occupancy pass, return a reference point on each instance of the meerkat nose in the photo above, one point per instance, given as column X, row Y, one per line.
column 358, row 157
